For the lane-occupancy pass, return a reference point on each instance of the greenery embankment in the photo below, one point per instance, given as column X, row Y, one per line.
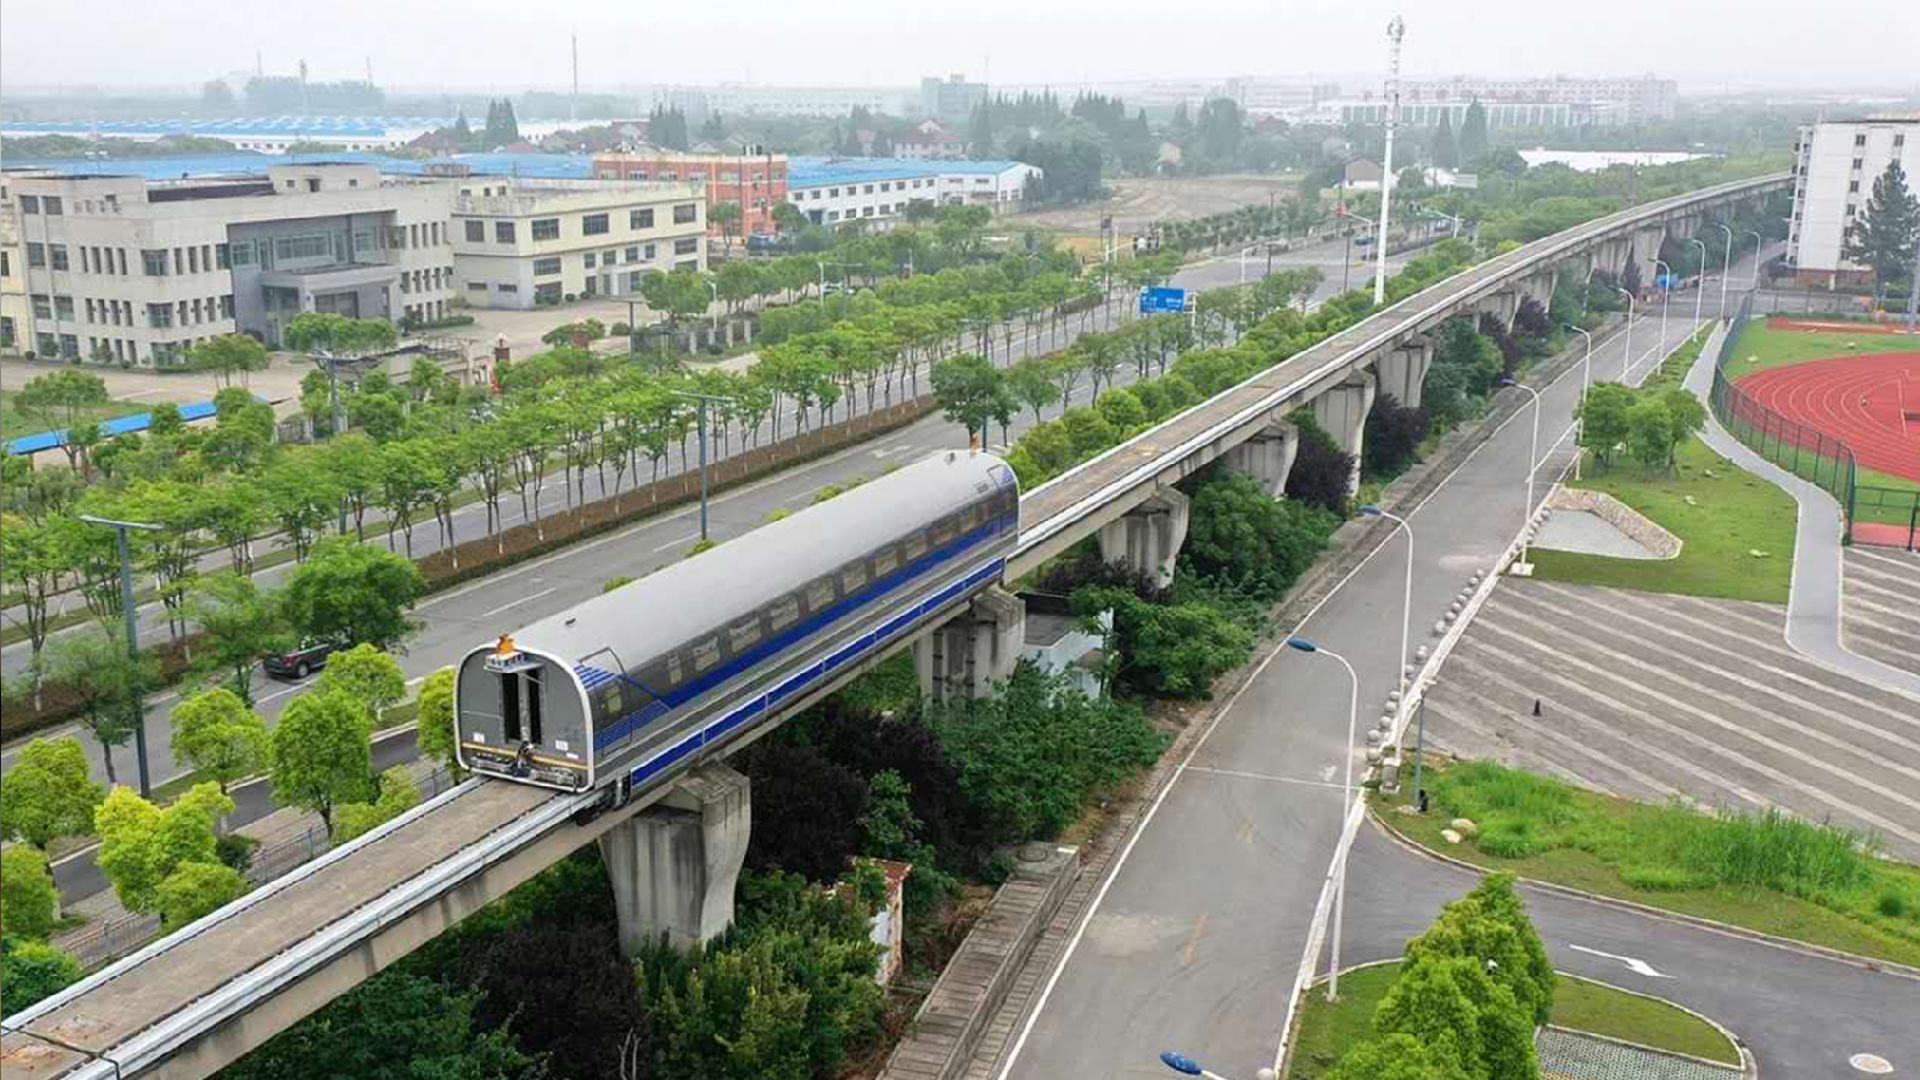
column 1768, row 872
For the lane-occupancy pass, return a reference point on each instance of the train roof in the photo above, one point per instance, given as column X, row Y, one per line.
column 646, row 618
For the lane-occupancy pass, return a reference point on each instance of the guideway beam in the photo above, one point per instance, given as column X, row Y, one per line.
column 674, row 865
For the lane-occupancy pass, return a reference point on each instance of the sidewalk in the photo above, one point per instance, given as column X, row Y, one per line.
column 1813, row 602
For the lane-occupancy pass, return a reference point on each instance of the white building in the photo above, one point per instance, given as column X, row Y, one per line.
column 520, row 243
column 1835, row 165
column 116, row 269
column 878, row 190
column 730, row 99
column 1551, row 102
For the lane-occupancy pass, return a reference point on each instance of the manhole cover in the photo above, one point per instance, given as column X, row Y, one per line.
column 1871, row 1063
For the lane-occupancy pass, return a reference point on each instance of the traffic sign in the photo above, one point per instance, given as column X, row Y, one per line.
column 1162, row 299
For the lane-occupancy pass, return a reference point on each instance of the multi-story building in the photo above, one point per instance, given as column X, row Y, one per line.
column 930, row 140
column 1554, row 102
column 755, row 181
column 519, row 243
column 952, row 99
column 832, row 191
column 117, row 269
column 733, row 99
column 1835, row 165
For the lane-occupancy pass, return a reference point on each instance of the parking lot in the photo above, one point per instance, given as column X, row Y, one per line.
column 1652, row 696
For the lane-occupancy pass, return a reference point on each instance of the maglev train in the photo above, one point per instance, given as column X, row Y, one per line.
column 660, row 672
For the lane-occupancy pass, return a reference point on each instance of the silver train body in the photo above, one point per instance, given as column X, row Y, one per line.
column 656, row 674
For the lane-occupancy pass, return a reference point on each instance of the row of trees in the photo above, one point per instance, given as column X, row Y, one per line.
column 1647, row 424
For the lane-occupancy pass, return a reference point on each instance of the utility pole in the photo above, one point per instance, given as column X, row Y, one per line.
column 1913, row 294
column 1396, row 30
column 704, row 400
column 130, row 615
column 573, row 103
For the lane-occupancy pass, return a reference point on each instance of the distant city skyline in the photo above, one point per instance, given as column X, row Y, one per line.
column 502, row 47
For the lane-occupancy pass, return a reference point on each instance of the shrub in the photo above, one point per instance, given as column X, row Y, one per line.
column 1509, row 838
column 31, row 970
column 1321, row 470
column 1661, row 878
column 235, row 850
column 818, row 827
column 1174, row 648
column 28, row 900
column 1242, row 536
column 1392, row 439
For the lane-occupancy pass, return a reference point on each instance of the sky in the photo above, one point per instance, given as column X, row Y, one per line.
column 513, row 45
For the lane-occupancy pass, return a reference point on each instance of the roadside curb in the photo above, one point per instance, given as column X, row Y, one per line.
column 1824, row 952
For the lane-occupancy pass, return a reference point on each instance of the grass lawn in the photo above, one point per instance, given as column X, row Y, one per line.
column 1732, row 513
column 1326, row 1030
column 1781, row 877
column 1758, row 347
column 14, row 424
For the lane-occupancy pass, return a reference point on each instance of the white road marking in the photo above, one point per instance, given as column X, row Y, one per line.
column 1634, row 964
column 676, row 542
column 517, row 603
column 1268, row 777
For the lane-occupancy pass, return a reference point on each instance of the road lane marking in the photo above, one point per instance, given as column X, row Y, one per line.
column 1268, row 777
column 1634, row 964
column 516, row 603
column 677, row 541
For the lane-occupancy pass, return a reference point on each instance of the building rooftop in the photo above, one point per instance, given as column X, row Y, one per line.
column 244, row 164
column 345, row 126
column 815, row 171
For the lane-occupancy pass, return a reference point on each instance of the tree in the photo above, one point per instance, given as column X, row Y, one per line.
column 1473, row 134
column 1650, row 428
column 63, row 399
column 818, row 827
column 141, row 845
column 728, row 216
column 48, row 793
column 1321, row 470
column 227, row 356
column 1031, row 383
column 92, row 664
column 1392, row 438
column 321, row 756
column 1885, row 237
column 435, row 735
column 347, row 591
column 242, row 624
column 972, row 392
column 502, row 128
column 324, row 331
column 1685, row 416
column 1240, row 534
column 1398, row 1056
column 196, row 889
column 29, row 903
column 30, row 971
column 398, row 794
column 1603, row 419
column 369, row 676
column 216, row 733
column 1446, row 153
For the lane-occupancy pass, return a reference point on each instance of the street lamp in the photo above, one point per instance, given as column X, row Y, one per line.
column 1628, row 362
column 1244, row 252
column 1406, row 599
column 1753, row 279
column 1666, row 294
column 1586, row 379
column 1346, row 808
column 1186, row 1066
column 713, row 317
column 1346, row 265
column 1726, row 267
column 130, row 615
column 701, row 412
column 1700, row 290
column 1523, row 567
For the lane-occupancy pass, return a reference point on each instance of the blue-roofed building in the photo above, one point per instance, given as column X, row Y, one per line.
column 264, row 134
column 832, row 191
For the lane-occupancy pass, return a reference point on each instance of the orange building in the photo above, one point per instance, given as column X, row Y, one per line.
column 756, row 181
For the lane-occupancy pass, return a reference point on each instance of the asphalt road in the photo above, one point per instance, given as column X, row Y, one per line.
column 1198, row 935
column 479, row 611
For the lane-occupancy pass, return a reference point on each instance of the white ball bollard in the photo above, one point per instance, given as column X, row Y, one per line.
column 1439, row 628
column 1420, row 653
column 1374, row 755
column 1393, row 696
column 1373, row 737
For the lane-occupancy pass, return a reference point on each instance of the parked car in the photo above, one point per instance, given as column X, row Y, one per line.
column 297, row 663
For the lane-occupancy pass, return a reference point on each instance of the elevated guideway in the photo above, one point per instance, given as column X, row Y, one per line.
column 194, row 1001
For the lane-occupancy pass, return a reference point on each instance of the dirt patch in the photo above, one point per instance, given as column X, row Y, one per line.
column 1138, row 203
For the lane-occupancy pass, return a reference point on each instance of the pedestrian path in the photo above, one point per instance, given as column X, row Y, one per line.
column 1880, row 613
column 1814, row 600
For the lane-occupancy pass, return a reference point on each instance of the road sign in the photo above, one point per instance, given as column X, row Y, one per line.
column 1162, row 299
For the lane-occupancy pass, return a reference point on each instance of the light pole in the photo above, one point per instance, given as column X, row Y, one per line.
column 1700, row 290
column 713, row 317
column 1395, row 31
column 1248, row 250
column 1186, row 1066
column 1346, row 808
column 1406, row 597
column 1753, row 279
column 1628, row 362
column 1524, row 568
column 130, row 615
column 1341, row 211
column 1666, row 294
column 1726, row 268
column 701, row 412
column 1586, row 380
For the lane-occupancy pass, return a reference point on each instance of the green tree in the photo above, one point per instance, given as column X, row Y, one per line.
column 195, row 889
column 92, row 664
column 326, row 332
column 321, row 756
column 1245, row 538
column 242, row 624
column 972, row 392
column 218, row 734
column 48, row 793
column 31, row 970
column 227, row 356
column 1031, row 383
column 1685, row 417
column 1885, row 237
column 436, row 736
column 29, row 903
column 369, row 676
column 36, row 558
column 62, row 399
column 141, row 845
column 728, row 216
column 1603, row 419
column 1446, row 152
column 398, row 794
column 347, row 591
column 1396, row 1057
column 1650, row 432
column 1473, row 135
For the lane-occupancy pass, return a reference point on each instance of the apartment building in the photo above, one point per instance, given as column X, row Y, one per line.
column 1835, row 165
column 522, row 243
column 1551, row 102
column 115, row 269
column 832, row 191
column 756, row 180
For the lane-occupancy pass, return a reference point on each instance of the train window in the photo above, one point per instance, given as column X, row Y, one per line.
column 743, row 634
column 915, row 545
column 510, row 707
column 705, row 653
column 942, row 531
column 820, row 595
column 783, row 611
column 973, row 516
column 886, row 561
column 854, row 578
column 610, row 701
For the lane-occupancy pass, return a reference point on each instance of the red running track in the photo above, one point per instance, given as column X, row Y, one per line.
column 1872, row 403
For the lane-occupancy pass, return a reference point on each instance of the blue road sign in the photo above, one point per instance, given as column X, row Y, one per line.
column 1162, row 299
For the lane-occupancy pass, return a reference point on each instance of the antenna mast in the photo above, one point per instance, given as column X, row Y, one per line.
column 1395, row 31
column 573, row 103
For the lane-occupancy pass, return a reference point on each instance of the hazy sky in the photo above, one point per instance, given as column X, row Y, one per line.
column 510, row 45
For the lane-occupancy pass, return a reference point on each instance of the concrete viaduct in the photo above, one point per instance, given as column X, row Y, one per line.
column 190, row 1003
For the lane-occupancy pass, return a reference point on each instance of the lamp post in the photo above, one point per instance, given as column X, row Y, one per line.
column 1248, row 250
column 130, row 615
column 1700, row 290
column 1628, row 362
column 1666, row 294
column 713, row 318
column 1186, row 1066
column 1396, row 30
column 1406, row 596
column 1346, row 808
column 1523, row 567
column 1341, row 211
column 1753, row 279
column 1726, row 267
column 1586, row 380
column 701, row 411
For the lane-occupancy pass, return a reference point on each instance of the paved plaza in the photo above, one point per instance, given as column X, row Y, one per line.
column 1880, row 606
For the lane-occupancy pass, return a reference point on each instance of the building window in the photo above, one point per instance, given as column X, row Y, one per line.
column 546, row 228
column 477, row 286
column 640, row 219
column 29, row 204
column 42, row 306
column 1859, row 140
column 476, row 232
column 36, row 255
column 546, row 267
column 193, row 260
column 222, row 257
column 588, row 260
column 1853, row 186
column 593, row 225
column 633, row 281
column 547, row 292
column 633, row 253
column 159, row 315
column 241, row 254
column 48, row 344
column 687, row 246
column 648, row 255
column 51, row 203
column 503, row 232
column 153, row 262
column 69, row 345
column 508, row 287
column 226, row 306
column 683, row 213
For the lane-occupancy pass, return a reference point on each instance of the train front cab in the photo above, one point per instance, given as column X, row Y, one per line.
column 523, row 716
